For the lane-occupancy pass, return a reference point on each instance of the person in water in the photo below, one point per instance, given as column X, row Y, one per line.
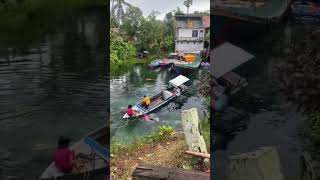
column 130, row 111
column 64, row 158
column 146, row 101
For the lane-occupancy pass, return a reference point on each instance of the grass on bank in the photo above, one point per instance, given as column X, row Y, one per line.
column 163, row 148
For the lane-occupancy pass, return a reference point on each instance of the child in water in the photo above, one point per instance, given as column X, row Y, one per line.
column 130, row 111
column 64, row 158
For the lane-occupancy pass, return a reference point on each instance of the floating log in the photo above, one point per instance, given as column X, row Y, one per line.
column 148, row 172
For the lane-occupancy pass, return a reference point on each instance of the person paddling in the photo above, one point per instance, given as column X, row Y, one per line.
column 64, row 158
column 146, row 101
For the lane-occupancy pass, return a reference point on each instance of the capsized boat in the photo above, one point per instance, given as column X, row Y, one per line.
column 175, row 88
column 93, row 158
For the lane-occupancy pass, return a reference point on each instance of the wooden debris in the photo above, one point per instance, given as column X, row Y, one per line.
column 202, row 155
column 148, row 172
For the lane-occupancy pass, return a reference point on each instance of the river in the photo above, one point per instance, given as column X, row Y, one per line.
column 51, row 83
column 139, row 80
column 272, row 120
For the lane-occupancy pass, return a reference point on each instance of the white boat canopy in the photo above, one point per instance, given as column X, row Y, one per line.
column 227, row 57
column 173, row 54
column 178, row 81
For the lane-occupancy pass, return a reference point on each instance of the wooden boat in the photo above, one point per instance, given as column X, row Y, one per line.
column 185, row 67
column 175, row 89
column 93, row 156
column 168, row 62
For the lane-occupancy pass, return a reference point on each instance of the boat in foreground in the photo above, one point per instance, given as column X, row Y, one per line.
column 176, row 88
column 92, row 158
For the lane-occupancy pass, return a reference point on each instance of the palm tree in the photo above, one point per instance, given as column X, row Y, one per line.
column 117, row 10
column 187, row 3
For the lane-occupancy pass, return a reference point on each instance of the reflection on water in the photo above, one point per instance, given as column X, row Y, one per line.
column 57, row 86
column 130, row 87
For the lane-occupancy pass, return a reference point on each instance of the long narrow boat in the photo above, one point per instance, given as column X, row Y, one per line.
column 93, row 158
column 187, row 67
column 175, row 89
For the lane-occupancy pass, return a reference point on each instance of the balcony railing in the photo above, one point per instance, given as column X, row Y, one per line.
column 189, row 39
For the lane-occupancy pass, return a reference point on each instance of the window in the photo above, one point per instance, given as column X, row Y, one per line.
column 201, row 33
column 194, row 33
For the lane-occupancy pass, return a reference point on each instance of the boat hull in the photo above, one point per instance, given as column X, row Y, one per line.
column 187, row 68
column 183, row 70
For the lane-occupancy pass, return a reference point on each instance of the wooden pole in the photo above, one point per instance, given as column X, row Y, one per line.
column 198, row 154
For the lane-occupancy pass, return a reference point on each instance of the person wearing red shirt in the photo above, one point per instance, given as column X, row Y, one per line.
column 64, row 157
column 130, row 111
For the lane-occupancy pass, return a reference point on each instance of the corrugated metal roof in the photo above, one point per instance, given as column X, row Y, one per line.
column 179, row 80
column 227, row 57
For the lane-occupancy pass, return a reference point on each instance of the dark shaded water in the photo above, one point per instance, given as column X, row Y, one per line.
column 272, row 121
column 55, row 85
column 130, row 87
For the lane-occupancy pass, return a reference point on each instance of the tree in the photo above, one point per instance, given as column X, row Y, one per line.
column 132, row 21
column 177, row 11
column 187, row 3
column 150, row 33
column 117, row 10
column 168, row 29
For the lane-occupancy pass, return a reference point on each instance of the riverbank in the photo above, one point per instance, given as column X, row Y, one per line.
column 163, row 148
column 117, row 68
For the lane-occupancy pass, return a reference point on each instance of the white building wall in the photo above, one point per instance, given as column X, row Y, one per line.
column 188, row 32
column 184, row 46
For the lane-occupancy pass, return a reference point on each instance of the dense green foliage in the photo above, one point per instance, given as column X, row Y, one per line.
column 120, row 50
column 139, row 33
